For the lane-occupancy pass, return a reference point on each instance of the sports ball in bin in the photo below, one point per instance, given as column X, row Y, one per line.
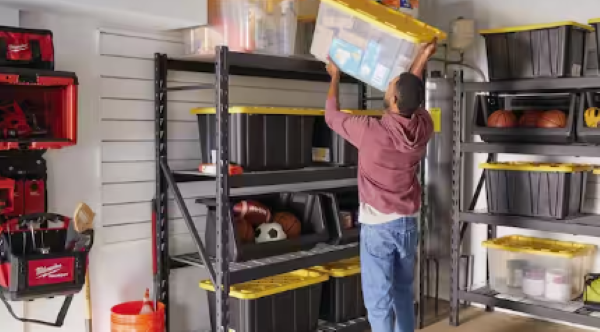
column 269, row 233
column 529, row 119
column 502, row 119
column 254, row 212
column 289, row 223
column 552, row 119
column 244, row 230
column 592, row 117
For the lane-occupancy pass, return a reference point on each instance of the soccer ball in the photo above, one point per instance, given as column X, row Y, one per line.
column 269, row 232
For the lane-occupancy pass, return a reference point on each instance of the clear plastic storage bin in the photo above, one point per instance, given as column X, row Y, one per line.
column 541, row 269
column 252, row 26
column 368, row 40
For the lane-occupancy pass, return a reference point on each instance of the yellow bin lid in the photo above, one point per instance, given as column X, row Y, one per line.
column 341, row 269
column 387, row 19
column 537, row 167
column 597, row 171
column 272, row 285
column 537, row 246
column 536, row 27
column 594, row 20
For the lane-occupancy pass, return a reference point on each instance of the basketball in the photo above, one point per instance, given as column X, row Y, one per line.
column 552, row 119
column 244, row 231
column 290, row 224
column 502, row 119
column 529, row 119
column 254, row 212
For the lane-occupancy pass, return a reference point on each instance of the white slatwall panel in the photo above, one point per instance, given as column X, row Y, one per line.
column 127, row 127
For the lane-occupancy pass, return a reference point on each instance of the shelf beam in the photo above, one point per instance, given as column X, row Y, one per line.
column 533, row 149
column 261, row 268
column 578, row 225
column 260, row 65
column 486, row 297
column 535, row 85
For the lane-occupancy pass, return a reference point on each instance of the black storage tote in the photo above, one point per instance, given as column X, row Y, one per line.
column 342, row 299
column 535, row 190
column 541, row 50
column 287, row 302
column 261, row 138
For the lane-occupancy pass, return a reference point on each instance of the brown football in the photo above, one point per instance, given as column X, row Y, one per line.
column 254, row 212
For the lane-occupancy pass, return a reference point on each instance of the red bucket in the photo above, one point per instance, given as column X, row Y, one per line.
column 125, row 317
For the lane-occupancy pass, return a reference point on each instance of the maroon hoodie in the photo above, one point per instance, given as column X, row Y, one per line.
column 390, row 150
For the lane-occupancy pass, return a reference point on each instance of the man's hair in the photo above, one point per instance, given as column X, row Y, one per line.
column 410, row 93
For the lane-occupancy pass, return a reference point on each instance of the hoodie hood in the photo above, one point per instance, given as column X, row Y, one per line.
column 408, row 134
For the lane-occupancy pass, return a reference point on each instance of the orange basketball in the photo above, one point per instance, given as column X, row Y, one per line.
column 290, row 224
column 502, row 119
column 244, row 230
column 529, row 119
column 552, row 119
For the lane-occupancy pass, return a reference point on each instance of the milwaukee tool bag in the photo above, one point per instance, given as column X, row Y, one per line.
column 26, row 48
column 42, row 256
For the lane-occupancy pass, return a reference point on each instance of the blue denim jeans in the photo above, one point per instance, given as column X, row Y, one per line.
column 387, row 255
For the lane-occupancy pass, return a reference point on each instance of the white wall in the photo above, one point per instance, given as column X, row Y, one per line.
column 495, row 14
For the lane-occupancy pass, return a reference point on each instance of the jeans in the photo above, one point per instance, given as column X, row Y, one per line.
column 387, row 254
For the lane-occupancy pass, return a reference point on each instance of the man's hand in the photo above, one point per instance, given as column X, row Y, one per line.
column 428, row 50
column 425, row 53
column 332, row 69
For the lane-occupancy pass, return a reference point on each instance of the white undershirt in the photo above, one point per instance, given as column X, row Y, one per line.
column 369, row 215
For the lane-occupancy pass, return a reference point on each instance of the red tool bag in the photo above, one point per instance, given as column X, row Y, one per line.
column 41, row 256
column 26, row 48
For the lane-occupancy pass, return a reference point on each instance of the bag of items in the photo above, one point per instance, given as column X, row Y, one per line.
column 26, row 48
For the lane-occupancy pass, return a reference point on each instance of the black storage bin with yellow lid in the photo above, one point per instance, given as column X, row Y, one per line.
column 331, row 148
column 287, row 302
column 342, row 299
column 535, row 190
column 261, row 138
column 540, row 50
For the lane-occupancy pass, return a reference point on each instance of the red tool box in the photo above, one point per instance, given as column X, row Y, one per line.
column 26, row 48
column 38, row 109
column 38, row 259
column 26, row 170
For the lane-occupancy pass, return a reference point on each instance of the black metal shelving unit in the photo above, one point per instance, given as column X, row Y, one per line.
column 463, row 215
column 222, row 272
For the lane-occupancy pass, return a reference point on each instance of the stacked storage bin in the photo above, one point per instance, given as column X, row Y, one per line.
column 542, row 50
column 286, row 302
column 262, row 138
column 541, row 269
column 342, row 298
column 369, row 41
column 537, row 190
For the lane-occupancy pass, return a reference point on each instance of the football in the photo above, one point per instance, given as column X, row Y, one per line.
column 269, row 233
column 253, row 212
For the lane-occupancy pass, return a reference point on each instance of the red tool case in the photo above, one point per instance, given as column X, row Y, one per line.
column 38, row 109
column 26, row 48
column 42, row 261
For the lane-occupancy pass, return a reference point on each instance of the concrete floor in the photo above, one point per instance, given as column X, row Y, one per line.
column 475, row 320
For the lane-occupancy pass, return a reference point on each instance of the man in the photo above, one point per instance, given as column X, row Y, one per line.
column 390, row 150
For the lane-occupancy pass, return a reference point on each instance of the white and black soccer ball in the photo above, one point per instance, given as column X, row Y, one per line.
column 269, row 232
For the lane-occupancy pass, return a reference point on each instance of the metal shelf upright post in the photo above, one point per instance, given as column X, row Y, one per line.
column 462, row 216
